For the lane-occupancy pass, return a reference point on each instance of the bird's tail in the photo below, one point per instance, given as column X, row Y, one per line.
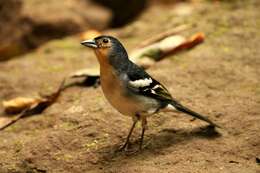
column 183, row 109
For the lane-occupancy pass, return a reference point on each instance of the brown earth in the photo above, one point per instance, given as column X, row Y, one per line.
column 79, row 133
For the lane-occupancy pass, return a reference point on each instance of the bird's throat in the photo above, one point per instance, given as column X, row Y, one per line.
column 102, row 56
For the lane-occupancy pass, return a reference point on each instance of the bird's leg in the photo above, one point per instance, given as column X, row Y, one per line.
column 129, row 135
column 144, row 127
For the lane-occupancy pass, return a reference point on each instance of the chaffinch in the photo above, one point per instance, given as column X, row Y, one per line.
column 130, row 89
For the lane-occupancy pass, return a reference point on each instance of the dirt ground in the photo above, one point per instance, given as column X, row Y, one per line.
column 80, row 133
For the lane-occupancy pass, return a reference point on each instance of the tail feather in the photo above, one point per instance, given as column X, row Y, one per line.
column 183, row 109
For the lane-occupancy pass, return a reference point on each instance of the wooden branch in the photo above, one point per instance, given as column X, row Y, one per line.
column 163, row 35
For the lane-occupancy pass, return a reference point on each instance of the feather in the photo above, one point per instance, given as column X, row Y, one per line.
column 186, row 110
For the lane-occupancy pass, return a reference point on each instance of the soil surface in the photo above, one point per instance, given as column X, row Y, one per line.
column 80, row 133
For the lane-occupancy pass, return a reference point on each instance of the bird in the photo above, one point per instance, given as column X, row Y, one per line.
column 130, row 89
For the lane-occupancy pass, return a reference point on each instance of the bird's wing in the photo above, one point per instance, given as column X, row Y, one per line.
column 142, row 83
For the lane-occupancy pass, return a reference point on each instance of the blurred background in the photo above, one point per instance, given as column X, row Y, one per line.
column 217, row 76
column 27, row 24
column 30, row 23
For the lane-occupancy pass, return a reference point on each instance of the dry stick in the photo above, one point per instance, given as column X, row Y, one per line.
column 36, row 109
column 164, row 35
column 19, row 116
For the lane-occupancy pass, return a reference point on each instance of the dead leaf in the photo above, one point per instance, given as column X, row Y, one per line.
column 86, row 72
column 90, row 75
column 165, row 47
column 30, row 107
column 18, row 104
column 188, row 44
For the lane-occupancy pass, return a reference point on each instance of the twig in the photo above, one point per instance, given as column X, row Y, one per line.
column 164, row 35
column 12, row 121
column 36, row 108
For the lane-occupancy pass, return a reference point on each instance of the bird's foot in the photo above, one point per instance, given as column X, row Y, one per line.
column 123, row 148
column 128, row 149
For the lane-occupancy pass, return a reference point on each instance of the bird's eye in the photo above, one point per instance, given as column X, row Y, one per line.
column 105, row 40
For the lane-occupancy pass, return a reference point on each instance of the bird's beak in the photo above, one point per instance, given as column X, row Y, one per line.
column 89, row 43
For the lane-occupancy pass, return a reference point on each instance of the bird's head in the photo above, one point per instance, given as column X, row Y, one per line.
column 107, row 49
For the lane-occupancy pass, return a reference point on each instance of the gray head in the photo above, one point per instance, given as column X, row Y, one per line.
column 108, row 49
